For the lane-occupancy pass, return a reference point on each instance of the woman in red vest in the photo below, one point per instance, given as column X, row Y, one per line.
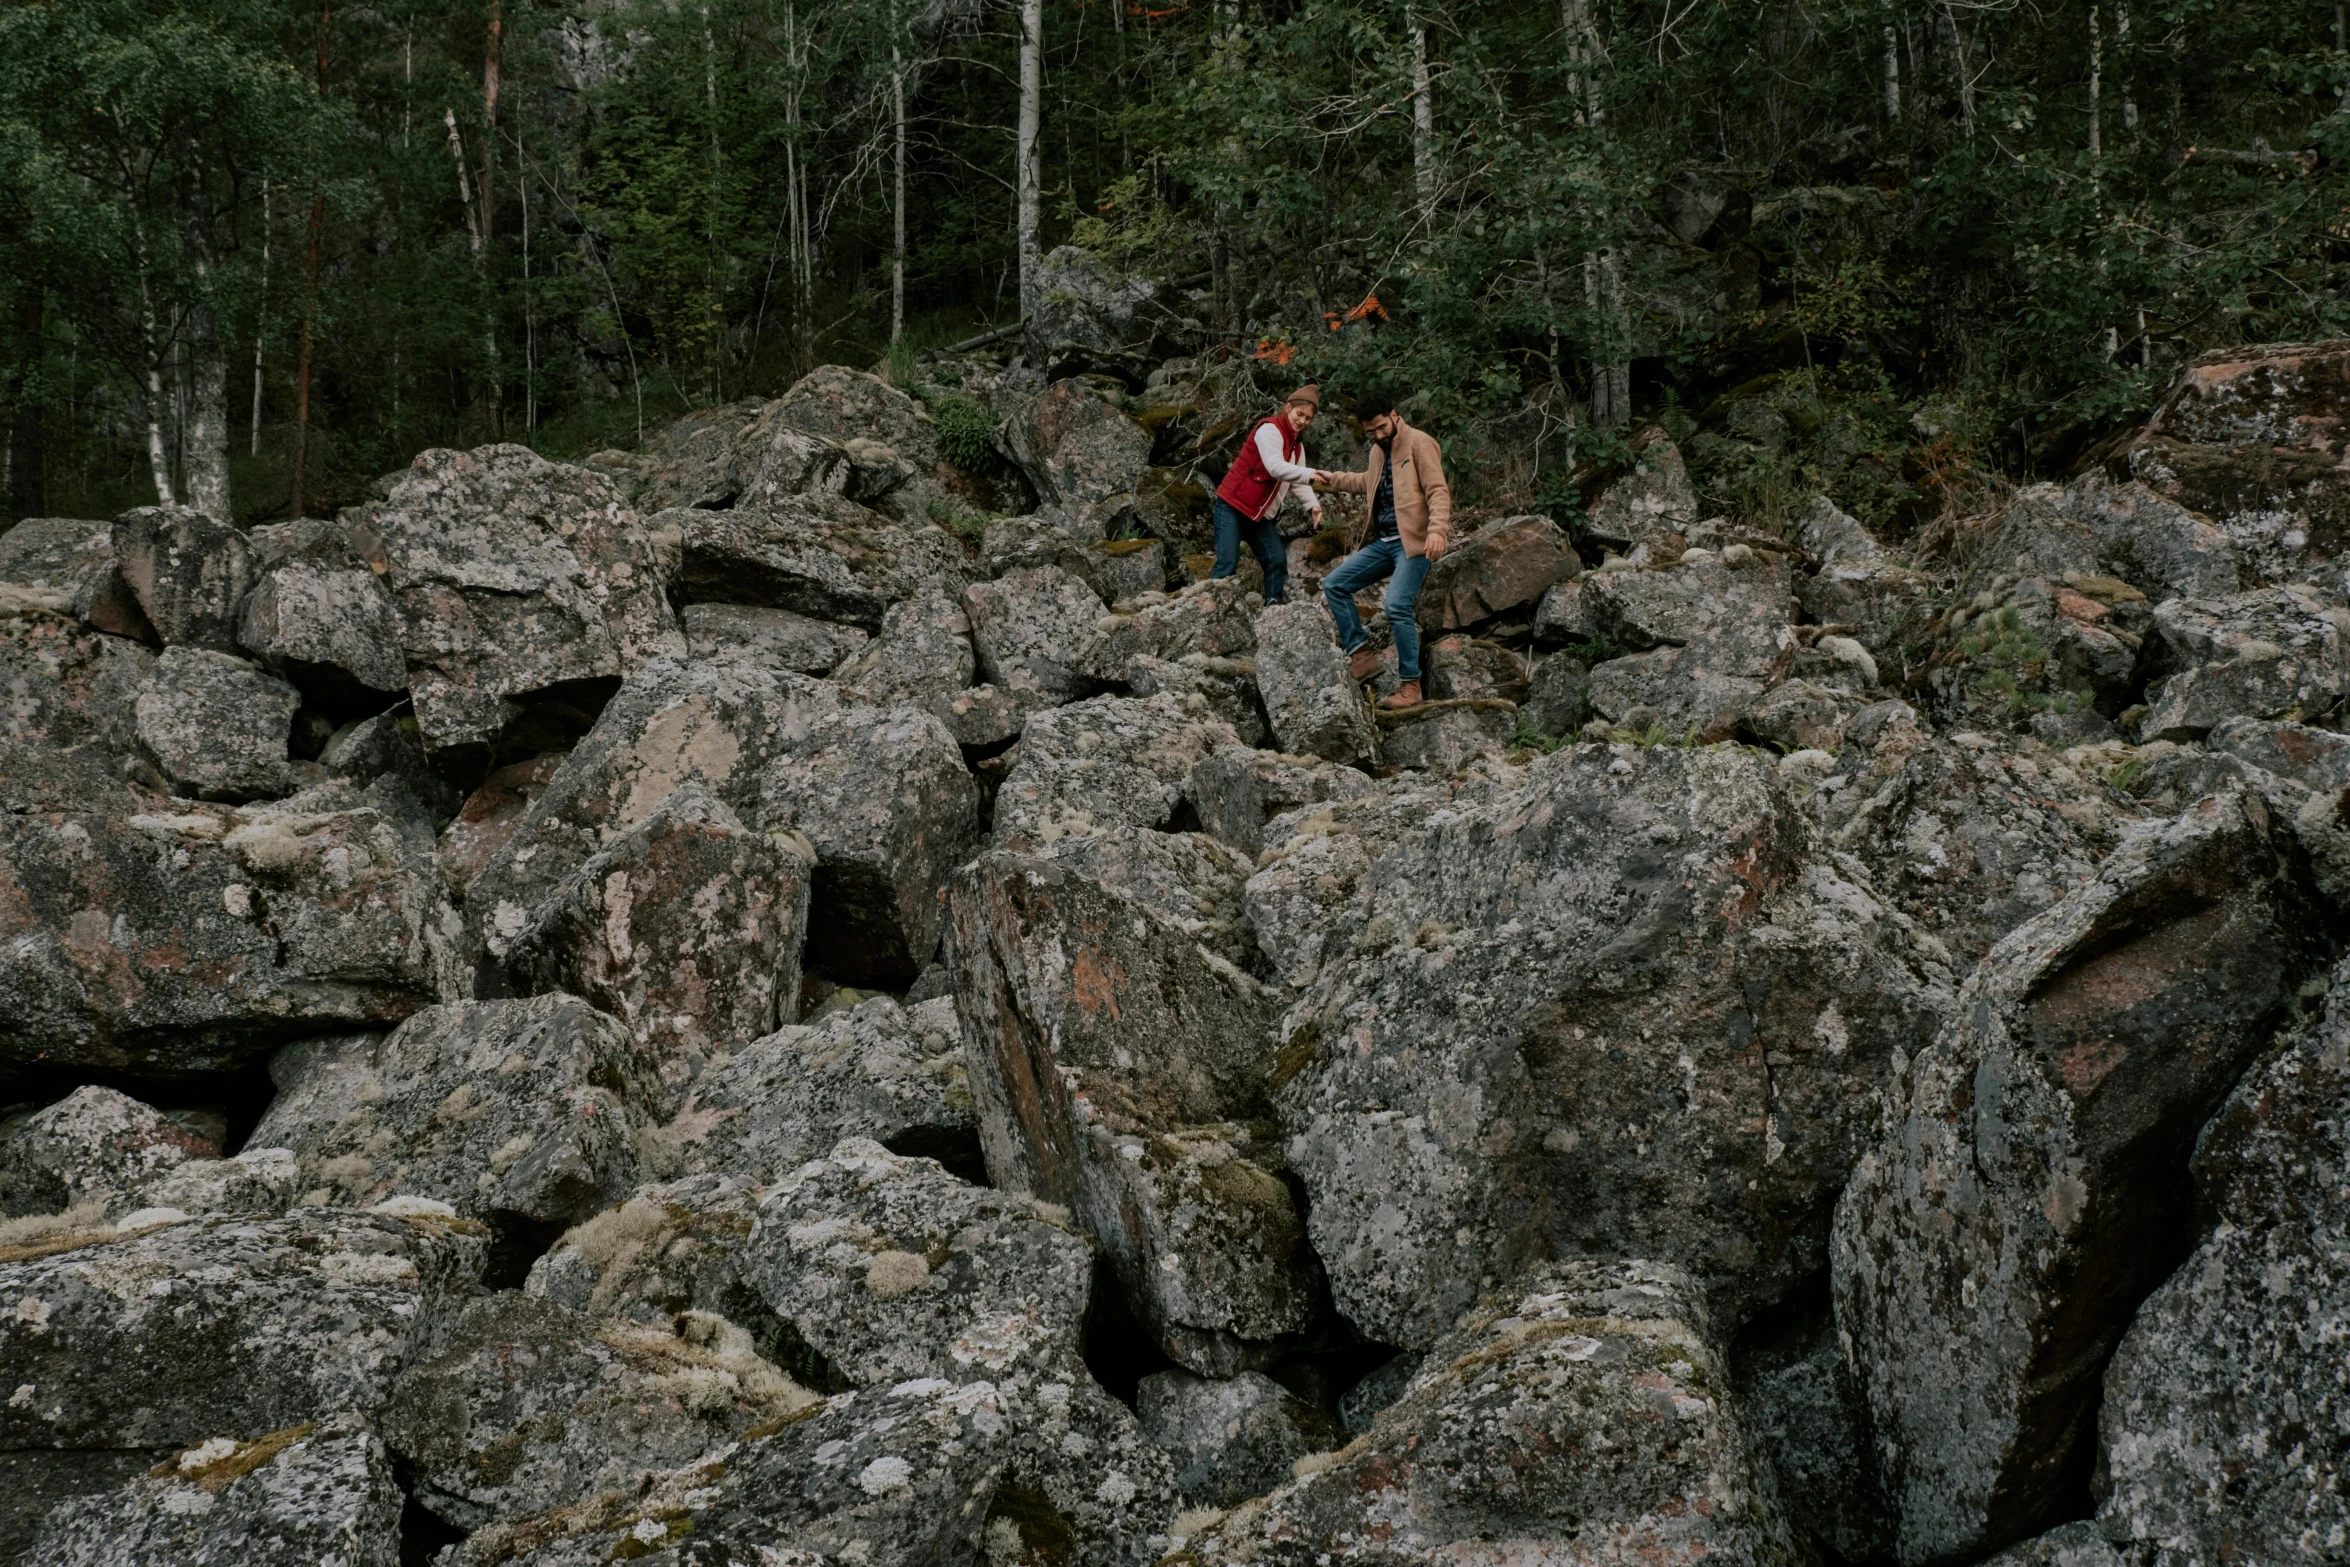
column 1271, row 462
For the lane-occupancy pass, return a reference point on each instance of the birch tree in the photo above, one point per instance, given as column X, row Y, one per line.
column 1026, row 176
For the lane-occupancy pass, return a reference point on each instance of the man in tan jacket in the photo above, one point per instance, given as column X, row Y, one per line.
column 1408, row 530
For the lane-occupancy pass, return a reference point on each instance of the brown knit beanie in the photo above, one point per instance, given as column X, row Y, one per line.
column 1308, row 394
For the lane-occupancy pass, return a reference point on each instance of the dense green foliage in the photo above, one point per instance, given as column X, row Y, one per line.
column 1828, row 242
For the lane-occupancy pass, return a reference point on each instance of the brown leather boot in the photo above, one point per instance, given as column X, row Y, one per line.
column 1363, row 665
column 1406, row 695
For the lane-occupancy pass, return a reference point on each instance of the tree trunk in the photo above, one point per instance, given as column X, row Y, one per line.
column 206, row 434
column 317, row 231
column 897, row 261
column 1892, row 78
column 2096, row 84
column 27, row 493
column 1026, row 174
column 1611, row 371
column 261, row 318
column 1962, row 69
column 1583, row 54
column 491, row 66
column 1423, row 119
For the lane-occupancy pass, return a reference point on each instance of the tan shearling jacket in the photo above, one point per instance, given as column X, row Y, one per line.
column 1423, row 500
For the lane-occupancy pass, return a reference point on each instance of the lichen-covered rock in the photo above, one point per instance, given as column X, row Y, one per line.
column 1503, row 566
column 94, row 1145
column 257, row 1180
column 687, row 927
column 2250, row 437
column 1081, row 303
column 488, row 817
column 2155, row 545
column 1655, row 494
column 175, row 1334
column 676, row 1247
column 1103, row 762
column 847, row 405
column 1236, row 792
column 923, row 656
column 512, row 574
column 326, row 623
column 791, row 641
column 61, row 685
column 188, row 572
column 1990, row 1247
column 1116, row 1066
column 521, row 1113
column 882, row 796
column 1191, row 878
column 319, row 1494
column 1972, row 838
column 1831, row 535
column 1227, row 685
column 1808, row 1426
column 1028, row 1467
column 2271, row 653
column 1558, row 696
column 1799, row 715
column 530, row 1405
column 36, row 1480
column 52, row 558
column 217, row 726
column 815, row 555
column 2225, row 1405
column 1316, row 710
column 2067, row 1545
column 1210, row 619
column 1580, row 1416
column 2317, row 759
column 1881, row 605
column 892, row 1269
column 1620, row 1001
column 1731, row 607
column 1231, row 1438
column 180, row 939
column 1084, row 455
column 1439, row 737
column 1676, row 690
column 1032, row 630
column 876, row 1070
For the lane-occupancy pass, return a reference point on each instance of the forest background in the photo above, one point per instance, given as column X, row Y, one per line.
column 255, row 252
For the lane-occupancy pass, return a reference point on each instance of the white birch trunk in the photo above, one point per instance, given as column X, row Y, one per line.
column 897, row 260
column 1026, row 214
column 261, row 319
column 2096, row 85
column 158, row 455
column 1892, row 78
column 1611, row 373
column 1423, row 119
column 206, row 436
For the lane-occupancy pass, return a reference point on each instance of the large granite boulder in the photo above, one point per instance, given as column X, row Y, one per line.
column 1032, row 629
column 2155, row 545
column 175, row 1334
column 791, row 641
column 1654, row 495
column 93, row 1146
column 1503, row 566
column 1972, row 837
column 1992, row 1245
column 61, row 685
column 1316, row 710
column 318, row 1494
column 1104, row 762
column 819, row 556
column 49, row 561
column 1213, row 618
column 1083, row 304
column 2224, row 1410
column 892, row 1269
column 1231, row 1438
column 170, row 938
column 216, row 726
column 676, row 1247
column 1083, row 454
column 519, row 1113
column 1032, row 1467
column 1617, row 1000
column 2250, row 438
column 188, row 571
column 882, row 796
column 876, row 1070
column 1577, row 1416
column 512, row 575
column 1116, row 1065
column 687, row 927
column 530, row 1405
column 2271, row 653
column 1236, row 792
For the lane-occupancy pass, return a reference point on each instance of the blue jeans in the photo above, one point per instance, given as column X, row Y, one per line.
column 1357, row 572
column 1264, row 542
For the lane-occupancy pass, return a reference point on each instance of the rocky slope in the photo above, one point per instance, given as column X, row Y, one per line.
column 705, row 1008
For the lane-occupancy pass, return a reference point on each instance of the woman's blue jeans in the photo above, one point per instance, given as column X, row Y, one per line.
column 1263, row 537
column 1358, row 571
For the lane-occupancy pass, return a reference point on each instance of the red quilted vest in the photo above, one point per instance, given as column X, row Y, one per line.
column 1248, row 488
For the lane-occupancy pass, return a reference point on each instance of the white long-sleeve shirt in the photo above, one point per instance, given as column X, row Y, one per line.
column 1296, row 479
